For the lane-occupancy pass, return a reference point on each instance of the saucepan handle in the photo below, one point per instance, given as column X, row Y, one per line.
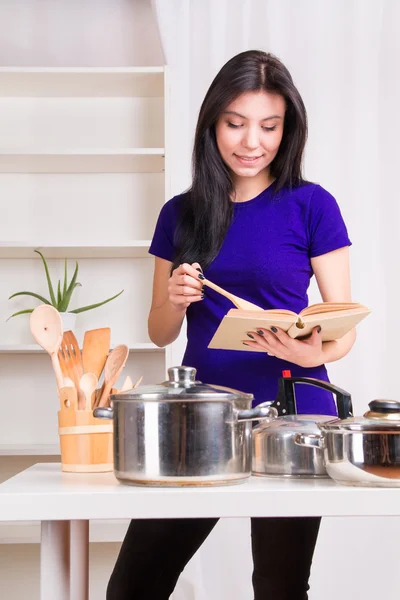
column 285, row 401
column 310, row 440
column 259, row 413
column 103, row 413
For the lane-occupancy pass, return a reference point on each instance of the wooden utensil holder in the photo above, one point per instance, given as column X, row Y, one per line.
column 86, row 443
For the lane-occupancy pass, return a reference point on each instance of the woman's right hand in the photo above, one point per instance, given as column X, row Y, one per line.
column 184, row 286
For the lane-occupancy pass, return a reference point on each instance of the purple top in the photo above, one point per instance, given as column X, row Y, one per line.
column 265, row 258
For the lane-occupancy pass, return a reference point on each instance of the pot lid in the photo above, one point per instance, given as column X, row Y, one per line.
column 181, row 385
column 382, row 414
column 291, row 424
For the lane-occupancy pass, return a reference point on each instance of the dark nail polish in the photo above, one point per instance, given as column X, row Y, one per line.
column 260, row 332
column 199, row 269
column 319, row 329
column 251, row 336
column 200, row 276
column 202, row 296
column 244, row 343
column 274, row 329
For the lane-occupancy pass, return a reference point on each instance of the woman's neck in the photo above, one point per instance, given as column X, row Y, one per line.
column 247, row 188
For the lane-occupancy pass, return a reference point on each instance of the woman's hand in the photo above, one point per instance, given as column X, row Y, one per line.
column 276, row 342
column 184, row 287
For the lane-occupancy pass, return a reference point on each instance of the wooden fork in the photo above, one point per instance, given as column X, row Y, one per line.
column 71, row 364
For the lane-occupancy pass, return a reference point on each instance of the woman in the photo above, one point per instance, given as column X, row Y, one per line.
column 254, row 226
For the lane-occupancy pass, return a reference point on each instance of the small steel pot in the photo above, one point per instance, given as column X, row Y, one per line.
column 182, row 432
column 275, row 452
column 361, row 451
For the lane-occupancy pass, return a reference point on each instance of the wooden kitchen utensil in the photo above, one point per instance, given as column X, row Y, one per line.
column 71, row 363
column 95, row 349
column 87, row 384
column 114, row 365
column 46, row 327
column 238, row 302
column 127, row 385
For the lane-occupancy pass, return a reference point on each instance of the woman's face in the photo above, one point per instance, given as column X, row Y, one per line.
column 249, row 132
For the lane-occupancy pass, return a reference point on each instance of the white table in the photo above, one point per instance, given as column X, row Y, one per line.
column 64, row 503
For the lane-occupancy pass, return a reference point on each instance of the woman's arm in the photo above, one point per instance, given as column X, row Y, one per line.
column 172, row 294
column 332, row 272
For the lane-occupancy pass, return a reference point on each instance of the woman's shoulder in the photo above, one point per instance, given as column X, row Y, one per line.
column 171, row 209
column 308, row 192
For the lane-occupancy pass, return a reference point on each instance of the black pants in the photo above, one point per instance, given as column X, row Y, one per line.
column 155, row 552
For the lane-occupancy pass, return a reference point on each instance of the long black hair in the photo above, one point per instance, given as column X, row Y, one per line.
column 207, row 207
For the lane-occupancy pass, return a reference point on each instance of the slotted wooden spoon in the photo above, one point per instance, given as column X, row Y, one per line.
column 238, row 302
column 47, row 329
column 115, row 363
column 70, row 359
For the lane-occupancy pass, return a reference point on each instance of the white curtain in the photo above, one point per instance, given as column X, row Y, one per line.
column 344, row 56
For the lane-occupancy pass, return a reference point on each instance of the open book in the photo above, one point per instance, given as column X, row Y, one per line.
column 335, row 319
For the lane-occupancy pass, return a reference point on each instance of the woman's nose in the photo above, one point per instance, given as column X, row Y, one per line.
column 251, row 139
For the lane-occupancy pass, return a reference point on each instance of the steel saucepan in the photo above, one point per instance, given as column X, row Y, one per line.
column 360, row 451
column 275, row 453
column 182, row 432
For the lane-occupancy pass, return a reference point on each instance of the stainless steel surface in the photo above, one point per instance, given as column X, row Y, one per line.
column 182, row 432
column 361, row 451
column 276, row 454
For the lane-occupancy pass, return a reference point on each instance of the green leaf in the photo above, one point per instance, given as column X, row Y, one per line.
column 51, row 291
column 65, row 279
column 67, row 296
column 85, row 308
column 21, row 312
column 59, row 293
column 41, row 298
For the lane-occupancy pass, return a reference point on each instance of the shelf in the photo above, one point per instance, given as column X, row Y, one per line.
column 82, row 82
column 130, row 249
column 29, row 450
column 28, row 532
column 36, row 349
column 83, row 160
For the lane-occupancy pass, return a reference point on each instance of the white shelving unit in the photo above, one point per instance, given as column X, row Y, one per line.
column 96, row 249
column 83, row 168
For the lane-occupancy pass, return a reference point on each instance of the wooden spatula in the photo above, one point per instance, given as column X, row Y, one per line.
column 96, row 345
column 46, row 327
column 238, row 302
column 70, row 359
column 114, row 365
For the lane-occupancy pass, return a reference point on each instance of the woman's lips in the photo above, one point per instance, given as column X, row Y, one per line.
column 247, row 160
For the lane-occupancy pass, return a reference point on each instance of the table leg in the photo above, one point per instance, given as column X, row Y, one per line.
column 54, row 560
column 79, row 560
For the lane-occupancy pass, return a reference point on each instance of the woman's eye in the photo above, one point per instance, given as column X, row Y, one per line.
column 270, row 128
column 233, row 125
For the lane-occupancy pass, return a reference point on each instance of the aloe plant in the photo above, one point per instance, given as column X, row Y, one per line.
column 59, row 298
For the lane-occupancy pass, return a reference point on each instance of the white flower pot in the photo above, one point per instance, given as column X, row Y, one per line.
column 68, row 320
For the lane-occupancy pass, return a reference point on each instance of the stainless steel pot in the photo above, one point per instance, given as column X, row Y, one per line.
column 275, row 453
column 182, row 432
column 361, row 451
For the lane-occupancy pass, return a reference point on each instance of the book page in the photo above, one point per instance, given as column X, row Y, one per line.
column 323, row 307
column 233, row 328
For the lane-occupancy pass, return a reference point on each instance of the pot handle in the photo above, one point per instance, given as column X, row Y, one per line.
column 261, row 412
column 285, row 401
column 310, row 440
column 103, row 413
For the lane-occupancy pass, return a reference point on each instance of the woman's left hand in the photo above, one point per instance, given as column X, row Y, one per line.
column 276, row 342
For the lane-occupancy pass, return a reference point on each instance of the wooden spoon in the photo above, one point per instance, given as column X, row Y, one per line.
column 114, row 365
column 127, row 385
column 95, row 349
column 238, row 302
column 87, row 384
column 47, row 329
